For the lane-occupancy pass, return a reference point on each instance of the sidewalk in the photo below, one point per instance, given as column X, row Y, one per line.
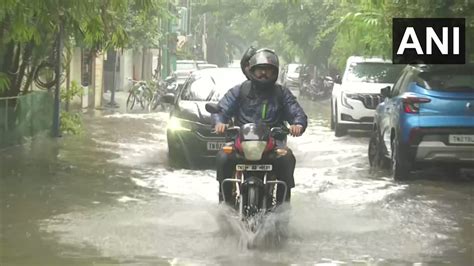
column 120, row 100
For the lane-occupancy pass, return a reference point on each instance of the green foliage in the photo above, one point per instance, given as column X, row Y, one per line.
column 325, row 32
column 99, row 25
column 142, row 23
column 71, row 123
column 4, row 82
column 74, row 90
column 365, row 25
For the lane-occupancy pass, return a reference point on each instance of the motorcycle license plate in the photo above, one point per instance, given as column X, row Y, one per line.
column 253, row 167
column 214, row 146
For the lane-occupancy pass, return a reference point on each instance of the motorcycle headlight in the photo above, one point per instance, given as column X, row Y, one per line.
column 253, row 150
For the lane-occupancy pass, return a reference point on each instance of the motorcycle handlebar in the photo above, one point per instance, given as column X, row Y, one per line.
column 274, row 131
column 141, row 82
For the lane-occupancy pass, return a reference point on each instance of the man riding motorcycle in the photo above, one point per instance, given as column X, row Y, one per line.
column 259, row 100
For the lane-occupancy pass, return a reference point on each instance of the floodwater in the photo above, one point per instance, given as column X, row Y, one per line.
column 109, row 197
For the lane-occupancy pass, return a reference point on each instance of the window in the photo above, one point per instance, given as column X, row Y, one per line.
column 396, row 88
column 453, row 80
column 373, row 72
column 86, row 67
column 198, row 89
column 409, row 77
column 185, row 66
column 210, row 88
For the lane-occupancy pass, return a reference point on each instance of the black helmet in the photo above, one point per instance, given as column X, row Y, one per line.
column 244, row 62
column 264, row 57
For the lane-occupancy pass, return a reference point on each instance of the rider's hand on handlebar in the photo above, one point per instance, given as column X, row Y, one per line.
column 220, row 128
column 296, row 130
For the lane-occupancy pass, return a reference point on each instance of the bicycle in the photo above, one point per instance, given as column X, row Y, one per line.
column 139, row 92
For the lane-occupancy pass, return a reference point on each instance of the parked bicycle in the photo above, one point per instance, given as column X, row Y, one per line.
column 139, row 93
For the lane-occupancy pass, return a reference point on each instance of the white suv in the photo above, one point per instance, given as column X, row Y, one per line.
column 357, row 94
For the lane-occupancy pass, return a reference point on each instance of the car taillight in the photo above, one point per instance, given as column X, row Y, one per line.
column 411, row 105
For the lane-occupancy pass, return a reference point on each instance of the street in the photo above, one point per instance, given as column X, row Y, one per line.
column 109, row 197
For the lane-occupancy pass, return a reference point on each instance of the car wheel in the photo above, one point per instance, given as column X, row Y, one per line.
column 452, row 171
column 339, row 130
column 332, row 116
column 375, row 153
column 176, row 156
column 400, row 165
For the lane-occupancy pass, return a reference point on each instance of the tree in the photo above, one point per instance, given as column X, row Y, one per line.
column 364, row 27
column 92, row 24
column 323, row 32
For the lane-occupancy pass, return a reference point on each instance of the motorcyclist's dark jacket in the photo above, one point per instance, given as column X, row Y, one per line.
column 273, row 106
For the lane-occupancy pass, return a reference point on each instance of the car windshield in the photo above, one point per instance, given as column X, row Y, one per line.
column 294, row 68
column 203, row 66
column 210, row 88
column 185, row 66
column 454, row 79
column 373, row 72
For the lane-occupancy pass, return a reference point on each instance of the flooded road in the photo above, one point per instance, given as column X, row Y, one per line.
column 109, row 197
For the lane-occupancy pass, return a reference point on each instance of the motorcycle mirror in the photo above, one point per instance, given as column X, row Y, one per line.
column 232, row 133
column 278, row 132
column 212, row 108
column 385, row 92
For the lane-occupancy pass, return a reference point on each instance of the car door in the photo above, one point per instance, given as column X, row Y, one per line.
column 388, row 110
column 399, row 119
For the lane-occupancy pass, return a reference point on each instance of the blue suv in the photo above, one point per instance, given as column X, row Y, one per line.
column 427, row 117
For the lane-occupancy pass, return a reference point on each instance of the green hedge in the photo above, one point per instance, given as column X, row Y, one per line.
column 25, row 117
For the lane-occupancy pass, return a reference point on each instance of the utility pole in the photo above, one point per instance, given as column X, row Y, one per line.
column 189, row 31
column 56, row 131
column 204, row 38
column 164, row 45
column 112, row 102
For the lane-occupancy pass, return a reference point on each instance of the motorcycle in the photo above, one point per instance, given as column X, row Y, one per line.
column 159, row 89
column 255, row 186
column 328, row 84
column 171, row 84
column 317, row 88
column 312, row 89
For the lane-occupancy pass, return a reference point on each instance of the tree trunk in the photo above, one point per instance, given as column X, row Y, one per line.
column 25, row 61
column 12, row 69
column 8, row 57
column 29, row 79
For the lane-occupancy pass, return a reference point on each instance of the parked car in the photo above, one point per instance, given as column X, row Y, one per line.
column 206, row 65
column 290, row 75
column 184, row 68
column 189, row 132
column 357, row 94
column 427, row 117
